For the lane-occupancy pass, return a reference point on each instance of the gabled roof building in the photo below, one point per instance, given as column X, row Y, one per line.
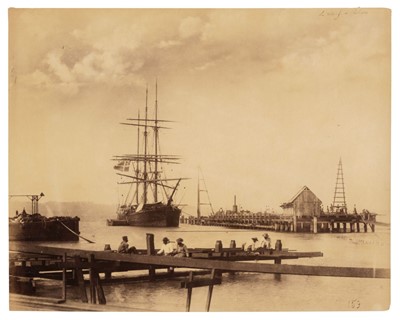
column 304, row 204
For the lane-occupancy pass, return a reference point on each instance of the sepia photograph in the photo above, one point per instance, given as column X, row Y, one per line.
column 199, row 159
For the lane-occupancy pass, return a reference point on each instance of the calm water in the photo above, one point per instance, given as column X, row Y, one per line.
column 255, row 292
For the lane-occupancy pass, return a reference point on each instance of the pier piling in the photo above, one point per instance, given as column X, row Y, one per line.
column 150, row 251
column 210, row 291
column 61, row 261
column 315, row 224
column 189, row 293
column 80, row 279
column 64, row 278
column 218, row 246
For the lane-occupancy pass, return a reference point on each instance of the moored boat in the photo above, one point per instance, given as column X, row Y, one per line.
column 143, row 174
column 33, row 226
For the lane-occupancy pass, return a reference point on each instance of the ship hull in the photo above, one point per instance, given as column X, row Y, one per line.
column 44, row 230
column 156, row 216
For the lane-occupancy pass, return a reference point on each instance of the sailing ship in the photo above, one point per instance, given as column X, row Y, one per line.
column 148, row 200
column 33, row 226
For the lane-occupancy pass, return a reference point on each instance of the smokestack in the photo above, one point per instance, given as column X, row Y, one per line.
column 234, row 205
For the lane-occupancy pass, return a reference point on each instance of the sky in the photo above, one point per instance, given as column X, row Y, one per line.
column 265, row 101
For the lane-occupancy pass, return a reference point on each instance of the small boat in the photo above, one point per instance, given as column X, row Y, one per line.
column 33, row 226
column 144, row 181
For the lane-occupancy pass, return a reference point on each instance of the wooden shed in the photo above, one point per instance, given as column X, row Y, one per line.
column 304, row 203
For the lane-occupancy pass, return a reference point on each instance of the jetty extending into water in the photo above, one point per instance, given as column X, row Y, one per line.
column 302, row 213
column 89, row 269
column 328, row 223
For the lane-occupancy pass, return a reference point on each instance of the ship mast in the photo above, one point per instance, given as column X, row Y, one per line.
column 156, row 149
column 145, row 155
column 144, row 173
column 198, row 194
column 137, row 161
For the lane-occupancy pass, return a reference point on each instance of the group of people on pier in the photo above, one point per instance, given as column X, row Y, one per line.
column 167, row 248
column 180, row 250
column 254, row 245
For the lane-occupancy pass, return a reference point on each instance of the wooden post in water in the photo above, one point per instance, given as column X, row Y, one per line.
column 100, row 292
column 64, row 278
column 278, row 247
column 218, row 246
column 277, row 276
column 96, row 290
column 315, row 222
column 189, row 293
column 107, row 274
column 232, row 246
column 150, row 251
column 80, row 279
column 210, row 290
column 92, row 281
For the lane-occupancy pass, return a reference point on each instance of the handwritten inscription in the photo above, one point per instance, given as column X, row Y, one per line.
column 337, row 13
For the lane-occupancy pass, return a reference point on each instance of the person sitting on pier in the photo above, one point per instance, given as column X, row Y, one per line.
column 180, row 250
column 265, row 242
column 166, row 249
column 124, row 246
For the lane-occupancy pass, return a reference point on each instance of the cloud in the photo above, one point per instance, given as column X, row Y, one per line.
column 120, row 49
column 190, row 27
column 36, row 79
column 204, row 66
column 168, row 44
column 58, row 68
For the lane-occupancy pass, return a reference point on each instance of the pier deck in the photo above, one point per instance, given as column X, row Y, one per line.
column 28, row 261
column 332, row 223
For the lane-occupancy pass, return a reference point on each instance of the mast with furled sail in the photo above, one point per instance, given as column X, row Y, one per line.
column 147, row 167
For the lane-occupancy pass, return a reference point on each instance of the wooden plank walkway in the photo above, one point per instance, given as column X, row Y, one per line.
column 236, row 266
column 69, row 265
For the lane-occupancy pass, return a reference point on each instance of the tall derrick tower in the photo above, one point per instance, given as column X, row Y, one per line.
column 339, row 198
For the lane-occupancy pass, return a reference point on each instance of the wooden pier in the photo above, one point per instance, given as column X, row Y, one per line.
column 327, row 223
column 89, row 269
